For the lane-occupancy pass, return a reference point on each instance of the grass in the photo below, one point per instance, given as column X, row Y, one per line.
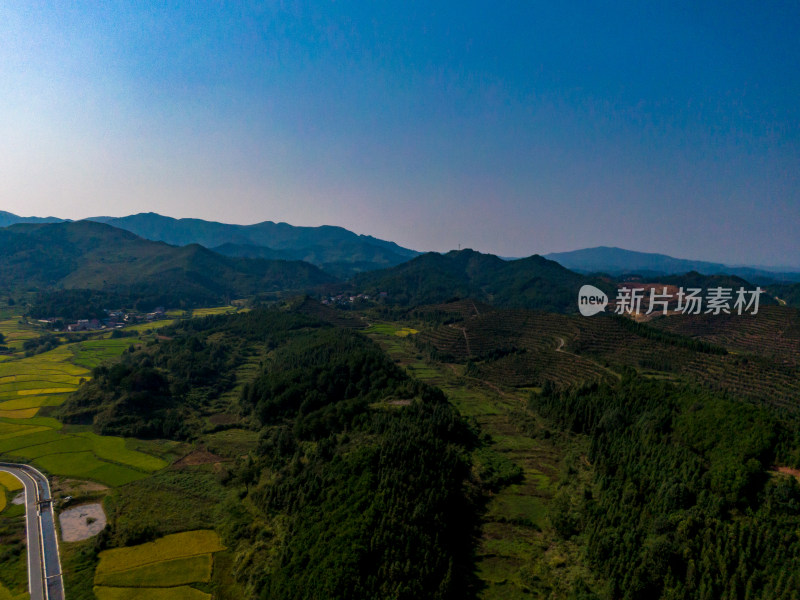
column 231, row 442
column 13, row 558
column 170, row 573
column 16, row 332
column 36, row 435
column 92, row 353
column 27, row 403
column 82, row 455
column 48, row 422
column 8, row 481
column 5, row 594
column 29, row 383
column 176, row 593
column 7, row 433
column 150, row 326
column 19, row 413
column 214, row 310
column 114, row 449
column 168, row 502
column 390, row 329
column 169, row 548
column 84, row 465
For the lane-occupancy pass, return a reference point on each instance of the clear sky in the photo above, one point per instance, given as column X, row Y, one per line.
column 513, row 128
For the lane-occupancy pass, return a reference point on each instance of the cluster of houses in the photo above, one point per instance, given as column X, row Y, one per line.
column 347, row 299
column 114, row 319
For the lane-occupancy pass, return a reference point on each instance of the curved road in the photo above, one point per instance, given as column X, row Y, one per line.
column 44, row 566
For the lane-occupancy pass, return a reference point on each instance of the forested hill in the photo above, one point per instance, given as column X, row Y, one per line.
column 357, row 487
column 87, row 255
column 532, row 282
column 318, row 245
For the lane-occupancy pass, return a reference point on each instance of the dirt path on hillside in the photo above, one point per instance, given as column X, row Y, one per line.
column 560, row 348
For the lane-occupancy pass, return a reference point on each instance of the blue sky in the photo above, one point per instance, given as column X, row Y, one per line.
column 512, row 128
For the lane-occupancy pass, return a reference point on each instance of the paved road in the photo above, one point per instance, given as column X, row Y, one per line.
column 44, row 566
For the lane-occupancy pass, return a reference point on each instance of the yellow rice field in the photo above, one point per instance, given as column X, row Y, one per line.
column 171, row 547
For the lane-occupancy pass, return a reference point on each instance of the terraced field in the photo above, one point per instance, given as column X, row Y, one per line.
column 173, row 593
column 774, row 331
column 215, row 310
column 526, row 348
column 16, row 333
column 29, row 383
column 391, row 329
column 160, row 569
column 92, row 353
column 517, row 547
column 82, row 455
column 150, row 326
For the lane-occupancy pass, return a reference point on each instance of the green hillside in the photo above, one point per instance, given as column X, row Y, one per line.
column 317, row 245
column 88, row 255
column 532, row 282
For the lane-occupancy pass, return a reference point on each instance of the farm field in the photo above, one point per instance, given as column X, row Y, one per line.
column 516, row 537
column 214, row 310
column 169, row 563
column 80, row 455
column 92, row 353
column 150, row 326
column 524, row 348
column 174, row 593
column 16, row 333
column 391, row 329
column 28, row 384
column 11, row 483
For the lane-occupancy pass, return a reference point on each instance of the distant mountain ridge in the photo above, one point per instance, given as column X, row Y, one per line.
column 89, row 255
column 618, row 261
column 336, row 249
column 7, row 218
column 321, row 246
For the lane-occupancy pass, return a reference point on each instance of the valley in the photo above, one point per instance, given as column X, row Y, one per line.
column 404, row 444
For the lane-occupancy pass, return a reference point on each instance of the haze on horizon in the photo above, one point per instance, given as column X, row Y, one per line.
column 509, row 129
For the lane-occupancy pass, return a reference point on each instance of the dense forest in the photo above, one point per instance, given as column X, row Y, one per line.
column 685, row 506
column 370, row 468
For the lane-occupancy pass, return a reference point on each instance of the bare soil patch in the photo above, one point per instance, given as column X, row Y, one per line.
column 75, row 487
column 223, row 419
column 82, row 522
column 200, row 456
column 788, row 471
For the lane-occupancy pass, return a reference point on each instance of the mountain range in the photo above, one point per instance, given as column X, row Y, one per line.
column 335, row 249
column 7, row 218
column 90, row 255
column 343, row 254
column 617, row 261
